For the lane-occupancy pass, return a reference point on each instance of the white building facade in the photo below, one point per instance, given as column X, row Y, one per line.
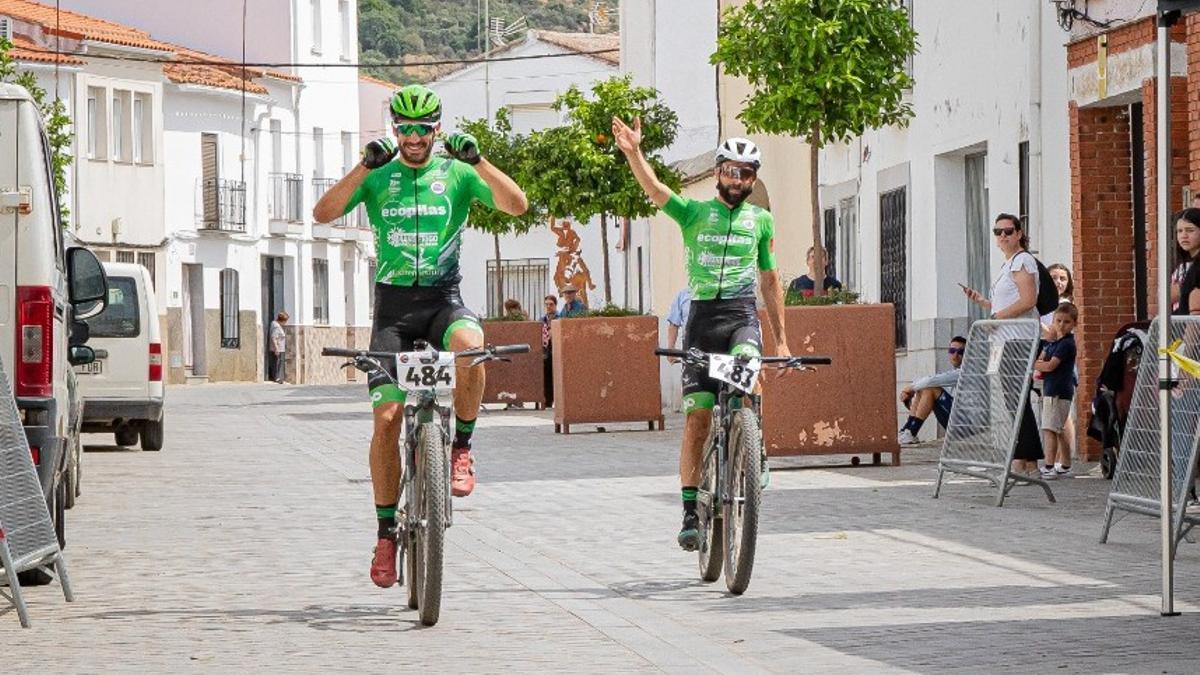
column 242, row 176
column 908, row 212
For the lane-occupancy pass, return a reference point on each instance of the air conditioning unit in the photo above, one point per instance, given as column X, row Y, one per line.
column 6, row 28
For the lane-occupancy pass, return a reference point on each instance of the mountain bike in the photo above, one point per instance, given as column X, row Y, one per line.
column 729, row 496
column 428, row 376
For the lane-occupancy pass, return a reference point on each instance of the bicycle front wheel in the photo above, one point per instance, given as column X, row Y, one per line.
column 707, row 507
column 745, row 498
column 431, row 527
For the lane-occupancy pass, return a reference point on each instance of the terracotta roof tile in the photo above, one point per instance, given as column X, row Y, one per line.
column 209, row 74
column 24, row 49
column 86, row 27
column 586, row 42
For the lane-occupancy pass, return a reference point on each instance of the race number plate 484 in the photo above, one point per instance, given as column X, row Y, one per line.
column 422, row 371
column 727, row 368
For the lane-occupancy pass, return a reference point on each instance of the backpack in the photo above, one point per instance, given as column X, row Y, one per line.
column 1047, row 297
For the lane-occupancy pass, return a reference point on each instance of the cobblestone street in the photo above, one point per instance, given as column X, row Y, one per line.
column 244, row 546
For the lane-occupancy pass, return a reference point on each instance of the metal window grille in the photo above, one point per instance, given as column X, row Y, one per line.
column 848, row 242
column 525, row 280
column 286, row 197
column 125, row 257
column 1023, row 186
column 231, row 336
column 893, row 257
column 146, row 259
column 320, row 291
column 223, row 205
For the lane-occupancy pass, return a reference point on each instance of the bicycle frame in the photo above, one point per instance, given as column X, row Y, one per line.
column 428, row 406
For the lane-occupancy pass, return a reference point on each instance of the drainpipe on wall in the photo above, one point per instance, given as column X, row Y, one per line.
column 1037, row 193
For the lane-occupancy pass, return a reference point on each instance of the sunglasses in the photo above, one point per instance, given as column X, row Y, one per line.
column 1005, row 231
column 410, row 129
column 956, row 350
column 738, row 172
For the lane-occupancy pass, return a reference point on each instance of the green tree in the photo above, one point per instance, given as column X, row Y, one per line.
column 578, row 172
column 823, row 70
column 56, row 120
column 507, row 151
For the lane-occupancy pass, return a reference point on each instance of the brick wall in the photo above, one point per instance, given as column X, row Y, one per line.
column 1180, row 151
column 1126, row 38
column 1192, row 24
column 1102, row 241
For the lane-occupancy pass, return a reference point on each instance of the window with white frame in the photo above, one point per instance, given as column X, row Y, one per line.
column 320, row 291
column 316, row 25
column 122, row 114
column 143, row 129
column 348, row 160
column 318, row 139
column 347, row 33
column 97, row 123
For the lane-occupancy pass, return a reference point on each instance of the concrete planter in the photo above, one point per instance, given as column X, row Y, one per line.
column 521, row 380
column 838, row 409
column 605, row 370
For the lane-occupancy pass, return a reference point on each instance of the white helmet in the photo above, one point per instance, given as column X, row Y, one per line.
column 739, row 150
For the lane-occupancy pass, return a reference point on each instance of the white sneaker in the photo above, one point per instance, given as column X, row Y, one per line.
column 1064, row 472
column 907, row 438
column 1048, row 474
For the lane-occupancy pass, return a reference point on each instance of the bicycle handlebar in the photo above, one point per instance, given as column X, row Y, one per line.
column 791, row 360
column 482, row 351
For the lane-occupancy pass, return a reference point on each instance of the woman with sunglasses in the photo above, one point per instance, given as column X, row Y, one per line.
column 1014, row 296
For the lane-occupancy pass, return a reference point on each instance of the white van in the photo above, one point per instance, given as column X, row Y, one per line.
column 123, row 388
column 45, row 288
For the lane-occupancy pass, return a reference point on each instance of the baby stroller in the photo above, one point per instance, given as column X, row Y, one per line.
column 1114, row 391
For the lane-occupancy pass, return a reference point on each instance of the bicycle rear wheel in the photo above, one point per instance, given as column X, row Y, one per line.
column 745, row 497
column 711, row 547
column 431, row 530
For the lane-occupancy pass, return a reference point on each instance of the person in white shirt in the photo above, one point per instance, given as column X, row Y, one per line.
column 279, row 347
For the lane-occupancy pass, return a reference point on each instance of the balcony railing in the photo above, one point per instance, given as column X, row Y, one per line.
column 320, row 186
column 222, row 205
column 286, row 197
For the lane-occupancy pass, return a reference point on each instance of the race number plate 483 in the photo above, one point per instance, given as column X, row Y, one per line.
column 727, row 368
column 421, row 371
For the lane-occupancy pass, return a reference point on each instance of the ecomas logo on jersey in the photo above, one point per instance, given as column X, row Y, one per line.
column 410, row 211
column 721, row 240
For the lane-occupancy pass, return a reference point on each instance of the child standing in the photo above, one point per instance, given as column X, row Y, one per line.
column 1057, row 365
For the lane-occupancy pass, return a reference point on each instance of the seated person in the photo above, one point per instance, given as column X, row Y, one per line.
column 932, row 394
column 805, row 285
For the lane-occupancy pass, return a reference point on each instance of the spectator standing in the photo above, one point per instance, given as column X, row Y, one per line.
column 1014, row 296
column 1057, row 364
column 572, row 305
column 1064, row 282
column 551, row 305
column 677, row 319
column 1187, row 247
column 932, row 394
column 804, row 284
column 279, row 347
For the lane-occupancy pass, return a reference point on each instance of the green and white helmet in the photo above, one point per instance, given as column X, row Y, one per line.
column 416, row 103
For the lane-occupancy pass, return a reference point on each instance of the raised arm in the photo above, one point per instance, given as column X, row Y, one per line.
column 333, row 203
column 629, row 140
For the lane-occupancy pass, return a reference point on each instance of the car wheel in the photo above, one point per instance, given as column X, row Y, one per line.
column 127, row 436
column 39, row 577
column 152, row 435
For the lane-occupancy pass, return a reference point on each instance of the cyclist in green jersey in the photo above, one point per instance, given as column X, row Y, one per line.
column 729, row 245
column 417, row 205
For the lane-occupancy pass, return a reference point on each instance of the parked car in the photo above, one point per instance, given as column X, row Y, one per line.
column 46, row 288
column 123, row 388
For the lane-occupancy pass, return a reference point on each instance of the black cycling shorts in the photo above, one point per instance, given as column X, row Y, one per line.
column 405, row 314
column 716, row 326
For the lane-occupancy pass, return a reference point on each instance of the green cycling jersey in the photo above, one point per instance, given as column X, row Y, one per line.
column 724, row 247
column 418, row 216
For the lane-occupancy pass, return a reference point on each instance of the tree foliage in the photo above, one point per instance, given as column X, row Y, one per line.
column 507, row 151
column 55, row 119
column 829, row 68
column 424, row 30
